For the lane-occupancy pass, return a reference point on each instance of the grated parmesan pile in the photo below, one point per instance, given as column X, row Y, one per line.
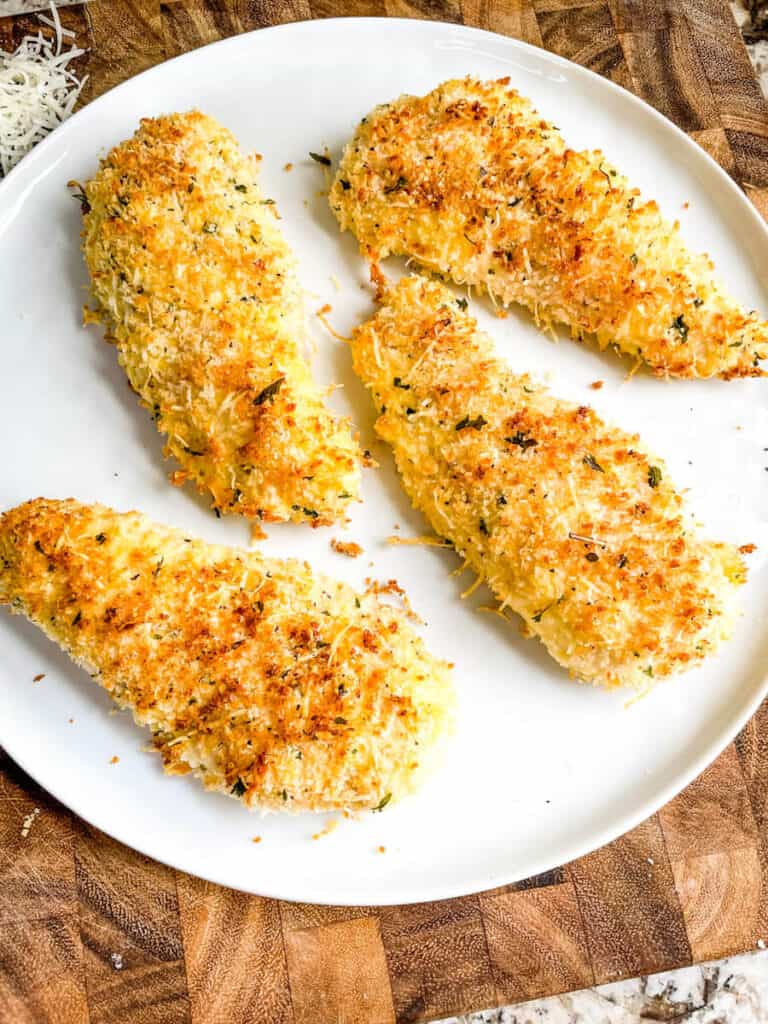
column 37, row 90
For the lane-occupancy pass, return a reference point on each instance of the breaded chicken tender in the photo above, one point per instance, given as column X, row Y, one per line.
column 472, row 182
column 267, row 681
column 197, row 287
column 570, row 521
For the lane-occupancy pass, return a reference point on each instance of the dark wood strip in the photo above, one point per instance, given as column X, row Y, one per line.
column 126, row 38
column 640, row 15
column 557, row 876
column 338, row 973
column 234, row 955
column 359, row 9
column 41, row 972
column 667, row 72
column 435, row 10
column 587, row 36
column 536, row 943
column 713, row 815
column 630, row 907
column 37, row 867
column 514, row 18
column 129, row 917
column 437, row 957
column 751, row 155
column 752, row 742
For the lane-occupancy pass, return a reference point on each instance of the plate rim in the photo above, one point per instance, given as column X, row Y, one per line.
column 725, row 736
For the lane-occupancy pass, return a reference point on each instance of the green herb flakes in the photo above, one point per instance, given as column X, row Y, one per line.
column 474, row 424
column 269, row 391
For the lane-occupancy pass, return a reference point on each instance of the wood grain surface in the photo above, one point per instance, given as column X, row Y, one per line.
column 93, row 932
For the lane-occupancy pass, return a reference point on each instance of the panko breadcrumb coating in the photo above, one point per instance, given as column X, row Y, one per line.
column 571, row 522
column 197, row 287
column 472, row 182
column 267, row 681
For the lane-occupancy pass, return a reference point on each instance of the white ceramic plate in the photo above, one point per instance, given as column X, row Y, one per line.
column 541, row 770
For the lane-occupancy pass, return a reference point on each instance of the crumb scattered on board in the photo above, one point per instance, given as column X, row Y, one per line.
column 28, row 822
column 114, row 759
column 346, row 547
column 117, row 961
column 288, row 167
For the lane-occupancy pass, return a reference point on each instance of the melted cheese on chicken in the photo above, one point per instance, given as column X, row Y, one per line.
column 572, row 523
column 269, row 682
column 471, row 181
column 198, row 289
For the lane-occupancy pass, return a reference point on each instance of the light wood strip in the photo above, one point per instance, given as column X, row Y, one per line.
column 338, row 974
column 536, row 943
column 630, row 906
column 234, row 955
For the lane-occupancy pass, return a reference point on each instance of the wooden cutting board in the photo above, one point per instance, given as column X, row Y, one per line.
column 92, row 932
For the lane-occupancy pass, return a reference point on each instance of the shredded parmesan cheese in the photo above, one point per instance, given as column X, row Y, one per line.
column 37, row 90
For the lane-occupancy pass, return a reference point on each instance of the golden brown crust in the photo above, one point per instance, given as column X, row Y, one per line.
column 470, row 181
column 269, row 682
column 570, row 521
column 198, row 289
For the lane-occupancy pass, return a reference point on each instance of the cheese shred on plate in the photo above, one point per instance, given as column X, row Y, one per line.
column 37, row 90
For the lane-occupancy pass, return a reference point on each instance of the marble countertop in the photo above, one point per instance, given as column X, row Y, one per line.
column 731, row 991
